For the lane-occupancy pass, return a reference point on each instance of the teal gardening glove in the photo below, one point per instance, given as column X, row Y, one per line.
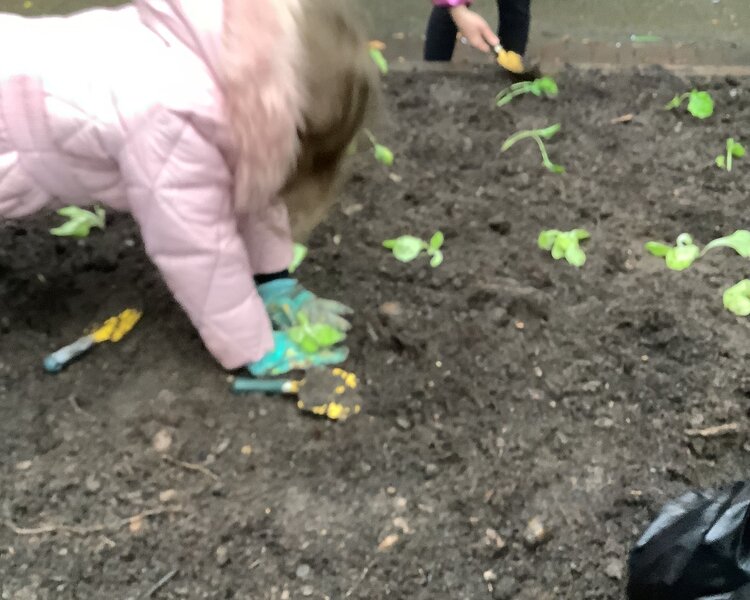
column 287, row 356
column 310, row 329
column 285, row 298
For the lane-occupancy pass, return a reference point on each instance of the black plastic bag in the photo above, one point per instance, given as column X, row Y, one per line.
column 698, row 548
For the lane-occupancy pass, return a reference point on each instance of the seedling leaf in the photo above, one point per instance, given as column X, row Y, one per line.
column 737, row 298
column 437, row 259
column 680, row 258
column 575, row 256
column 736, row 149
column 405, row 248
column 739, row 241
column 701, row 104
column 383, row 155
column 408, row 247
column 300, row 253
column 547, row 239
column 721, row 161
column 658, row 249
column 564, row 244
column 379, row 60
column 80, row 221
column 548, row 132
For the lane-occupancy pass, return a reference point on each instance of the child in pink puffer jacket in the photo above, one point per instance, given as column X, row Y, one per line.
column 216, row 123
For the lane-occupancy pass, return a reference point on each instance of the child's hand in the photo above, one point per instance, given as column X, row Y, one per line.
column 474, row 28
column 285, row 298
column 287, row 356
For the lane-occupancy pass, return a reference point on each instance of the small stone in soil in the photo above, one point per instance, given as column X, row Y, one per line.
column 92, row 484
column 492, row 538
column 303, row 571
column 431, row 470
column 614, row 569
column 162, row 441
column 222, row 556
column 536, row 534
column 307, row 590
column 391, row 309
column 489, row 575
column 403, row 423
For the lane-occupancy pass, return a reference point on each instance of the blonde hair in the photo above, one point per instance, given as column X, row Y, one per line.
column 342, row 86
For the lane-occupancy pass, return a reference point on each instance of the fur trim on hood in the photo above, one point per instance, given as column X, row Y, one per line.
column 254, row 50
column 262, row 64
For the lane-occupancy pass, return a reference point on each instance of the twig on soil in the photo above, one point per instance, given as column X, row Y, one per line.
column 715, row 431
column 77, row 408
column 88, row 529
column 623, row 119
column 159, row 584
column 361, row 578
column 191, row 467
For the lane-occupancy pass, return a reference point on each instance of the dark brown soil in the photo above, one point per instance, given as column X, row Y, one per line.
column 511, row 387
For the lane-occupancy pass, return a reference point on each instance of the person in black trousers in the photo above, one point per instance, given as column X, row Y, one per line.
column 451, row 16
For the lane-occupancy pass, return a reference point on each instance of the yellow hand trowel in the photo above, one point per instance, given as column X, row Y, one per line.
column 113, row 330
column 509, row 60
column 323, row 392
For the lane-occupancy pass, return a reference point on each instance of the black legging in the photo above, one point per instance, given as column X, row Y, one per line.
column 515, row 18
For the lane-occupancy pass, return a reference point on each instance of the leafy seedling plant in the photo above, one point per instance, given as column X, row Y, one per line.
column 733, row 150
column 311, row 337
column 80, row 221
column 544, row 86
column 538, row 135
column 382, row 153
column 376, row 54
column 737, row 298
column 408, row 248
column 700, row 104
column 300, row 254
column 565, row 244
column 678, row 257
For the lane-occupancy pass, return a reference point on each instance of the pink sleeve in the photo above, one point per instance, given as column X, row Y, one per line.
column 179, row 190
column 268, row 239
column 450, row 2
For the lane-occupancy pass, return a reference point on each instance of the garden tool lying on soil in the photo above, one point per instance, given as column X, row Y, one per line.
column 328, row 393
column 113, row 330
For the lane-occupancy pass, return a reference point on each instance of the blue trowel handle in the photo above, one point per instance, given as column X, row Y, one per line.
column 55, row 362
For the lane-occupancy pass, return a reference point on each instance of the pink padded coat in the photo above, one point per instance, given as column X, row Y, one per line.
column 177, row 111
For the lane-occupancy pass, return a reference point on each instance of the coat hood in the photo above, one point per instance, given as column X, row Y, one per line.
column 253, row 49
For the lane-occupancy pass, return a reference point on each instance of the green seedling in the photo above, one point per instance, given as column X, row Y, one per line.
column 538, row 135
column 700, row 104
column 645, row 39
column 300, row 254
column 734, row 150
column 737, row 298
column 408, row 248
column 382, row 153
column 544, row 86
column 739, row 241
column 80, row 221
column 377, row 57
column 678, row 257
column 312, row 338
column 565, row 244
